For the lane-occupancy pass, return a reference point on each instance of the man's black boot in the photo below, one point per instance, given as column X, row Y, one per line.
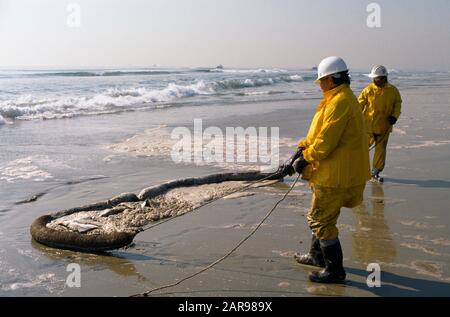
column 334, row 271
column 314, row 257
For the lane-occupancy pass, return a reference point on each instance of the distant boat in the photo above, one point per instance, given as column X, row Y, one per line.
column 219, row 67
column 314, row 68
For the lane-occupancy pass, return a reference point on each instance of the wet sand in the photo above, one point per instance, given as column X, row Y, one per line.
column 403, row 225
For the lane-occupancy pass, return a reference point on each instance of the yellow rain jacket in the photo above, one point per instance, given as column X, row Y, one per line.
column 336, row 144
column 378, row 105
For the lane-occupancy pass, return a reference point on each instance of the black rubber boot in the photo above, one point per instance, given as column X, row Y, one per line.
column 334, row 271
column 314, row 257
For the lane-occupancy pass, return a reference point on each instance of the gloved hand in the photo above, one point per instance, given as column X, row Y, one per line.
column 300, row 164
column 288, row 168
column 392, row 120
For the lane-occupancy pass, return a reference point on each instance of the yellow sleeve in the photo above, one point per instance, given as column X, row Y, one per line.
column 334, row 122
column 303, row 143
column 362, row 99
column 397, row 104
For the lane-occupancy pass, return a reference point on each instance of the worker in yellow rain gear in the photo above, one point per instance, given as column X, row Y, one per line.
column 334, row 157
column 381, row 104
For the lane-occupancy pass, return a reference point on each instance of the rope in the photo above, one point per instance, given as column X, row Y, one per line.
column 230, row 252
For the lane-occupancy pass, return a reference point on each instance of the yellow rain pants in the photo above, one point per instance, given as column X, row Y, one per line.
column 326, row 206
column 379, row 157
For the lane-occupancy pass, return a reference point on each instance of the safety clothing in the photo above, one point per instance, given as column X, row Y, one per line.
column 378, row 71
column 326, row 206
column 336, row 144
column 336, row 148
column 314, row 257
column 300, row 164
column 334, row 270
column 329, row 66
column 378, row 104
column 288, row 168
column 379, row 157
column 381, row 108
column 392, row 120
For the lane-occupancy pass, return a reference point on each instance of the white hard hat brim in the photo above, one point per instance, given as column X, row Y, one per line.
column 317, row 81
column 375, row 76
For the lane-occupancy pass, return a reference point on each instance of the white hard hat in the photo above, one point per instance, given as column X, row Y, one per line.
column 378, row 71
column 329, row 66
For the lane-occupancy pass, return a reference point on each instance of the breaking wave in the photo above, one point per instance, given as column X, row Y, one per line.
column 112, row 100
column 254, row 82
column 246, row 71
column 2, row 120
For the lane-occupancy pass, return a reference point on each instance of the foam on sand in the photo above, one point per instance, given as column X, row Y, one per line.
column 25, row 168
column 157, row 142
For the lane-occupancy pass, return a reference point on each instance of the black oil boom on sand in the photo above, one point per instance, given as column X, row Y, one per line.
column 109, row 241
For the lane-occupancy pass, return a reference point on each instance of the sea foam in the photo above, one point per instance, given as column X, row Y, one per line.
column 114, row 99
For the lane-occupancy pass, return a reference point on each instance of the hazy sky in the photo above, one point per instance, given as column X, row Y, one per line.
column 236, row 33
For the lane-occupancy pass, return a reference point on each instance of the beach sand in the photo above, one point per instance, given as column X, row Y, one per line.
column 403, row 224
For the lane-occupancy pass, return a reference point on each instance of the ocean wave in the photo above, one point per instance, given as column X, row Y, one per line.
column 254, row 82
column 2, row 120
column 89, row 73
column 112, row 100
column 296, row 78
column 260, row 93
column 131, row 72
column 246, row 71
column 107, row 73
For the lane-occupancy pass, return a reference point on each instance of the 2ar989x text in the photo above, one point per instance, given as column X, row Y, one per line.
column 246, row 306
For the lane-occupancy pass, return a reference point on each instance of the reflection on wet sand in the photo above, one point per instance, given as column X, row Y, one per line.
column 372, row 239
column 371, row 242
column 117, row 264
column 399, row 285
